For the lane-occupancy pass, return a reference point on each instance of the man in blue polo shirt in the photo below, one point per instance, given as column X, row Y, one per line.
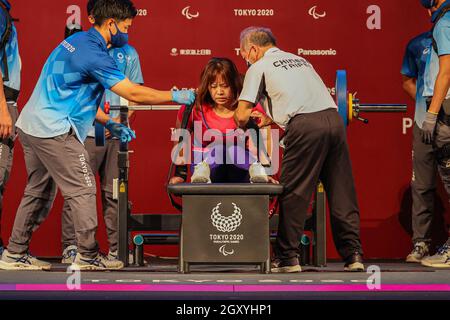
column 55, row 123
column 436, row 126
column 9, row 93
column 103, row 159
column 423, row 184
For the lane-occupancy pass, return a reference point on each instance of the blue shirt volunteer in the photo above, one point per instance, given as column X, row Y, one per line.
column 12, row 52
column 414, row 63
column 70, row 87
column 127, row 60
column 441, row 35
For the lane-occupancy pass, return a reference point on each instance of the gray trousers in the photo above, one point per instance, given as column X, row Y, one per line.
column 6, row 157
column 316, row 148
column 60, row 162
column 423, row 187
column 103, row 160
column 442, row 139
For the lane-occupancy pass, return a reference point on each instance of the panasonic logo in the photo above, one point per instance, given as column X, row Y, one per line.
column 305, row 52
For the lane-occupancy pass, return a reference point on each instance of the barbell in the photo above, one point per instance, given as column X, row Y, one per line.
column 348, row 106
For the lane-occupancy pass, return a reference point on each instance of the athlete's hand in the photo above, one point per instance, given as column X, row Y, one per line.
column 176, row 180
column 273, row 181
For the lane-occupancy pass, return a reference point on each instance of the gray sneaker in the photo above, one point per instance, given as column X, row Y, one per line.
column 69, row 255
column 27, row 262
column 440, row 260
column 100, row 262
column 202, row 173
column 258, row 173
column 420, row 251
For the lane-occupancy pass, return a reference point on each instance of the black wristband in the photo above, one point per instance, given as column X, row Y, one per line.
column 181, row 172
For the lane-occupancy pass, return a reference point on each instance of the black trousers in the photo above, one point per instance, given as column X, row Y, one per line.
column 316, row 148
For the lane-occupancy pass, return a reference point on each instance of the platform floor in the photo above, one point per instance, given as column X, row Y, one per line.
column 160, row 281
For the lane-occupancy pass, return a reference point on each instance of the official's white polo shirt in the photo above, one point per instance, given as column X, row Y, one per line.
column 286, row 85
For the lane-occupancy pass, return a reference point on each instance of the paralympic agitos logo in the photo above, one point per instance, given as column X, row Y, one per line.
column 312, row 12
column 185, row 12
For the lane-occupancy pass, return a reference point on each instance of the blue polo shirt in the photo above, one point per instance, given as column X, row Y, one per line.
column 414, row 63
column 441, row 35
column 12, row 52
column 127, row 60
column 70, row 87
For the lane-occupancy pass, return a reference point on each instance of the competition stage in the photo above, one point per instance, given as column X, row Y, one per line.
column 161, row 281
column 227, row 256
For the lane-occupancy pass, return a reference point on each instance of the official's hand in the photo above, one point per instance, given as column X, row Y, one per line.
column 107, row 132
column 186, row 97
column 120, row 131
column 261, row 119
column 6, row 124
column 429, row 127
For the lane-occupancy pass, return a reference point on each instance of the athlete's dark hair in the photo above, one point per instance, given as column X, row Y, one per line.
column 118, row 10
column 225, row 68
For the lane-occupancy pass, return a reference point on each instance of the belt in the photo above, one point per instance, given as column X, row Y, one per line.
column 9, row 143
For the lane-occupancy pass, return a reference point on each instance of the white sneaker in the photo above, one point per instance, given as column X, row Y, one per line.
column 69, row 255
column 258, row 173
column 27, row 262
column 100, row 262
column 113, row 256
column 202, row 173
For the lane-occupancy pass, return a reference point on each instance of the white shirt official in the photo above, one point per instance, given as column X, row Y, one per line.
column 286, row 85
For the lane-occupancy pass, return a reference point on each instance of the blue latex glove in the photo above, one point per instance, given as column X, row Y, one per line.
column 120, row 131
column 186, row 97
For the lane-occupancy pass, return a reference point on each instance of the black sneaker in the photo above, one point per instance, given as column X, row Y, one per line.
column 354, row 263
column 286, row 266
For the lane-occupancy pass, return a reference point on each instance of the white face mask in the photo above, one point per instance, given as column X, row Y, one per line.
column 249, row 64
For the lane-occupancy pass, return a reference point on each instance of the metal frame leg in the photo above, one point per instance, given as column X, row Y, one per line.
column 123, row 203
column 266, row 267
column 320, row 230
column 184, row 267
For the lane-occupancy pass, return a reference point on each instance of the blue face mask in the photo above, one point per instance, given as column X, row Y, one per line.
column 119, row 39
column 428, row 4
